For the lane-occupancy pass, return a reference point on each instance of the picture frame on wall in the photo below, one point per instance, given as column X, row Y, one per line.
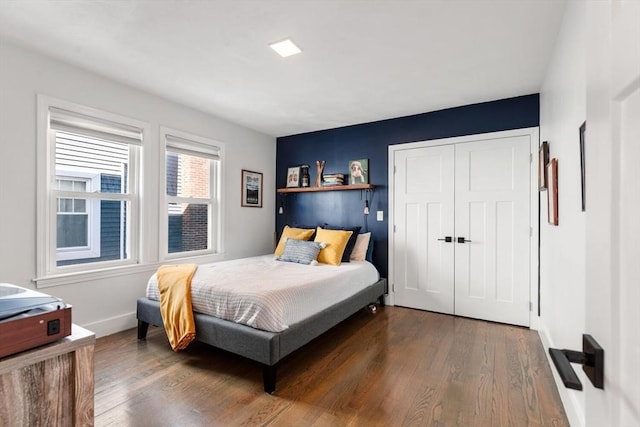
column 582, row 131
column 251, row 189
column 543, row 160
column 552, row 192
column 293, row 176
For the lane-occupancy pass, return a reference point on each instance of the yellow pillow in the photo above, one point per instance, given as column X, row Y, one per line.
column 293, row 233
column 336, row 241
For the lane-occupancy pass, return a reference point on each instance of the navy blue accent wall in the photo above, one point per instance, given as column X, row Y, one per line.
column 371, row 141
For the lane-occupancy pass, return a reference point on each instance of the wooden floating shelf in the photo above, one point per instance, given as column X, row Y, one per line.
column 327, row 188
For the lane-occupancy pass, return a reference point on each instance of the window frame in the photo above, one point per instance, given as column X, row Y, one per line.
column 47, row 271
column 181, row 142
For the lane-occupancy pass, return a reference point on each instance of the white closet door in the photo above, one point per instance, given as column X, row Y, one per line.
column 478, row 191
column 423, row 208
column 492, row 212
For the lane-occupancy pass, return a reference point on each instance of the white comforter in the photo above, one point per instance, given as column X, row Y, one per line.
column 271, row 295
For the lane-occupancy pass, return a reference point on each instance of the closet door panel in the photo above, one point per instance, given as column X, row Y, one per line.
column 423, row 204
column 492, row 215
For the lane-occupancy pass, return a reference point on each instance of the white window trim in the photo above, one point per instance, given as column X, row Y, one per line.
column 183, row 142
column 48, row 274
column 92, row 250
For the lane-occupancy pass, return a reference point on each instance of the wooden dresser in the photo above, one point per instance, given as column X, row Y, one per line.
column 50, row 385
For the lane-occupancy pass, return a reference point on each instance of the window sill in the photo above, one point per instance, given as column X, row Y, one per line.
column 87, row 276
column 123, row 270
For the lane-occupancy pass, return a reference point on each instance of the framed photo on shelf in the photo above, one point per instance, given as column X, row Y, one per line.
column 251, row 189
column 552, row 192
column 543, row 159
column 583, row 129
column 293, row 176
column 359, row 171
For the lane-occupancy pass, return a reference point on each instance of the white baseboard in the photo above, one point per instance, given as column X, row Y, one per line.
column 571, row 406
column 112, row 325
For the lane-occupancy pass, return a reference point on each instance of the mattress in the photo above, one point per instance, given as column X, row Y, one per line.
column 271, row 295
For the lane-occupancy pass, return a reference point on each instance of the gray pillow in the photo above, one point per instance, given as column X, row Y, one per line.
column 301, row 251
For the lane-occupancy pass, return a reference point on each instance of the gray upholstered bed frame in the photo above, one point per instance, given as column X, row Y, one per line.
column 267, row 348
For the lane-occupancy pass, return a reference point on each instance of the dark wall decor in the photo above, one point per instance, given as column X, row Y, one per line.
column 552, row 193
column 583, row 129
column 371, row 141
column 543, row 159
column 251, row 189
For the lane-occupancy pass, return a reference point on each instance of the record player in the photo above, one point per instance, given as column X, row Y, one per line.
column 30, row 319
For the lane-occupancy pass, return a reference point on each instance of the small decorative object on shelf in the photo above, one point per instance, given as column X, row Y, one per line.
column 293, row 176
column 304, row 173
column 329, row 179
column 319, row 169
column 359, row 171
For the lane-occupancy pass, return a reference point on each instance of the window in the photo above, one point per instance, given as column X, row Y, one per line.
column 192, row 179
column 88, row 189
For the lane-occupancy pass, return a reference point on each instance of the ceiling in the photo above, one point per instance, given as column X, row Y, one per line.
column 362, row 60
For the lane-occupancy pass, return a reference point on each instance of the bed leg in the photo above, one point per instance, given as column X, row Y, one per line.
column 269, row 377
column 381, row 300
column 143, row 327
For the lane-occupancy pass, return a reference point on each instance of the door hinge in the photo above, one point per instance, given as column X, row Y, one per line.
column 393, row 287
column 394, row 228
column 530, row 306
column 530, row 231
column 530, row 157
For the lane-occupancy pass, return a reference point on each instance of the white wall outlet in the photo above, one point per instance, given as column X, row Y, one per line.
column 380, row 215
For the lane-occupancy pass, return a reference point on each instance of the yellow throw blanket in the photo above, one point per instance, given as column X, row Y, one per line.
column 174, row 284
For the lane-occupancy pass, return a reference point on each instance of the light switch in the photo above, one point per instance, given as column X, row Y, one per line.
column 380, row 215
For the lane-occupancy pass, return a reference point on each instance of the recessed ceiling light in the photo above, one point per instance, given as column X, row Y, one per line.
column 285, row 48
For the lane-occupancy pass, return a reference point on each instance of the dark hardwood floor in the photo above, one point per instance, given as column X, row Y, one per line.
column 395, row 367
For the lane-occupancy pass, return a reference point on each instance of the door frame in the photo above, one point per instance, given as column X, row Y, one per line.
column 534, row 214
column 613, row 62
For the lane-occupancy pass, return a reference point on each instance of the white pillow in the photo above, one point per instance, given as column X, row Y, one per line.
column 359, row 252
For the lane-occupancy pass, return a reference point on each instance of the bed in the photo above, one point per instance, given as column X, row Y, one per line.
column 307, row 301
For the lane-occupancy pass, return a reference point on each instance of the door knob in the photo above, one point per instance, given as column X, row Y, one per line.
column 447, row 239
column 462, row 240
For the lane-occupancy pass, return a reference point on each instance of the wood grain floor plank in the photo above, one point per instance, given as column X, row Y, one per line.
column 396, row 367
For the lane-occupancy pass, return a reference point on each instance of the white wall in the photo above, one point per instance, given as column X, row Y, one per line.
column 563, row 248
column 108, row 305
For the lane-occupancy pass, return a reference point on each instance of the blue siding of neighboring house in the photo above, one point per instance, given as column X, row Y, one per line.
column 110, row 218
column 175, row 233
